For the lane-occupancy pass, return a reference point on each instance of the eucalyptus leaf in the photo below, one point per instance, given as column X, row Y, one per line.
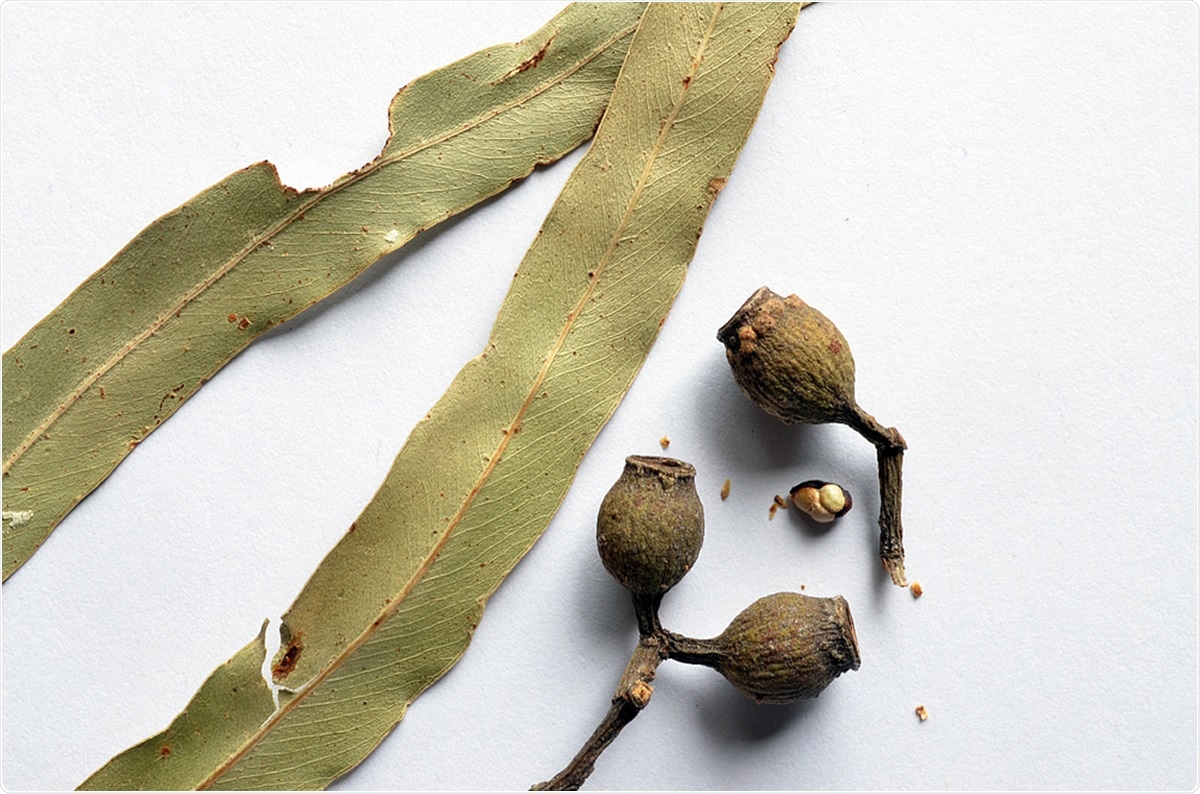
column 146, row 331
column 393, row 605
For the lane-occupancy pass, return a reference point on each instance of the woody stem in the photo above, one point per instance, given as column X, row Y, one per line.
column 889, row 453
column 632, row 695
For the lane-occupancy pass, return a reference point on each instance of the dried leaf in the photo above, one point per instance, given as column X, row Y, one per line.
column 393, row 606
column 145, row 332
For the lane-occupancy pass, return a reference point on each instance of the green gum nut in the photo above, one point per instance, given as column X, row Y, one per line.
column 651, row 524
column 790, row 359
column 787, row 647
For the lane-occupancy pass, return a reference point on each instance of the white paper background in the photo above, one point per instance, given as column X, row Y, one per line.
column 996, row 203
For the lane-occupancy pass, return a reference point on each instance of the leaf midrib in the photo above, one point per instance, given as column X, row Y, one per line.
column 318, row 196
column 315, row 682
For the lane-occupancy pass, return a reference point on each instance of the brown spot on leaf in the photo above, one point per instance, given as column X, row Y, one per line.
column 287, row 663
column 716, row 185
column 537, row 57
column 232, row 318
column 164, row 752
column 244, row 323
column 835, row 346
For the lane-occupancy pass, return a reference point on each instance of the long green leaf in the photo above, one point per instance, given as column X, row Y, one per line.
column 193, row 289
column 393, row 605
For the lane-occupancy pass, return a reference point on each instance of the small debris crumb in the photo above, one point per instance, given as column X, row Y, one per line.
column 725, row 490
column 392, row 236
column 916, row 589
column 922, row 713
column 774, row 510
column 664, row 442
column 779, row 501
column 801, row 588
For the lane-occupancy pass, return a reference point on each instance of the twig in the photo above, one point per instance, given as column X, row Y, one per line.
column 889, row 452
column 633, row 693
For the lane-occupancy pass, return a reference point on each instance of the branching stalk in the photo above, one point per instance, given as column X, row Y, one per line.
column 632, row 695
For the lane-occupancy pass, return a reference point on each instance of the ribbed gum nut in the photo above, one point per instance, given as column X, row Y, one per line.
column 787, row 647
column 651, row 524
column 790, row 359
